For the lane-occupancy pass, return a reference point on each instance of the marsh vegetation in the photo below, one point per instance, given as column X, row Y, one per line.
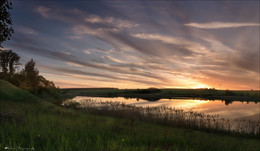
column 169, row 116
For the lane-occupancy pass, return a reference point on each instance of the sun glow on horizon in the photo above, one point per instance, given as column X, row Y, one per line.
column 200, row 86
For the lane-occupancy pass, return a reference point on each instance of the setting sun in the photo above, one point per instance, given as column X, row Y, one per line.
column 200, row 86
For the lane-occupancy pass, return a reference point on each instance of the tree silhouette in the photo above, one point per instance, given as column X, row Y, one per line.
column 9, row 60
column 5, row 21
column 29, row 77
column 32, row 81
column 30, row 74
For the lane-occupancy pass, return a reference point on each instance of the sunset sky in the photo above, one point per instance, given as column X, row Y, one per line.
column 134, row 44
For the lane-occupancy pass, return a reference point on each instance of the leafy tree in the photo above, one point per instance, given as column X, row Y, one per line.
column 5, row 21
column 30, row 76
column 32, row 81
column 43, row 83
column 13, row 62
column 9, row 60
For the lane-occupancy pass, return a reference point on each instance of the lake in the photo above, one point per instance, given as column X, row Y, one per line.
column 225, row 109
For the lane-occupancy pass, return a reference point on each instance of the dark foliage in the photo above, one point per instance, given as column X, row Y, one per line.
column 228, row 93
column 28, row 79
column 143, row 91
column 9, row 61
column 5, row 21
column 32, row 81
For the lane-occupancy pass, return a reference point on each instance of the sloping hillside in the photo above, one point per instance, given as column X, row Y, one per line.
column 12, row 93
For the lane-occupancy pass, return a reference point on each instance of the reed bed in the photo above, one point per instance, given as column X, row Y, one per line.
column 169, row 116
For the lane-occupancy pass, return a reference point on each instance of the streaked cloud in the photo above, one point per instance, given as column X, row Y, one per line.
column 88, row 52
column 26, row 30
column 102, row 75
column 216, row 25
column 44, row 11
column 194, row 47
column 151, row 44
column 73, row 60
column 111, row 21
column 114, row 59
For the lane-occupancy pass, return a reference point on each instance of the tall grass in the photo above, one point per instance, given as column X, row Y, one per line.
column 45, row 126
column 170, row 116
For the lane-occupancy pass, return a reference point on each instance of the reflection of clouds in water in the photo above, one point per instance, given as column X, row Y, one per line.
column 234, row 110
column 184, row 103
column 152, row 104
column 174, row 103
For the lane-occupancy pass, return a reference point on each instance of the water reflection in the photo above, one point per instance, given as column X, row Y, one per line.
column 151, row 99
column 224, row 108
column 227, row 102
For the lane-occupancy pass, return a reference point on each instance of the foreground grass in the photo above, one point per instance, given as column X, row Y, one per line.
column 48, row 127
column 31, row 122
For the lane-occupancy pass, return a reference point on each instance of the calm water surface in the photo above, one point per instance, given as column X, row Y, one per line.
column 235, row 109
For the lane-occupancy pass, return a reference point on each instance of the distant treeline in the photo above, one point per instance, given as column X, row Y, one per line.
column 77, row 89
column 156, row 94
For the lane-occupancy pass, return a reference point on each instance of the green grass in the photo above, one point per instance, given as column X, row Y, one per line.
column 28, row 121
column 10, row 92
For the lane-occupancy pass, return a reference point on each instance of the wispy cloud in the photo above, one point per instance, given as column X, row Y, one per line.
column 113, row 59
column 26, row 30
column 72, row 59
column 160, row 44
column 124, row 40
column 88, row 52
column 110, row 21
column 86, row 74
column 44, row 11
column 216, row 25
column 195, row 47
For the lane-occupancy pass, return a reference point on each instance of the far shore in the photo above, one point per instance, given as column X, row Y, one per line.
column 157, row 94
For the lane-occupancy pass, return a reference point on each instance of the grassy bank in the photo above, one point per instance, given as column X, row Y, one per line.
column 154, row 94
column 28, row 121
